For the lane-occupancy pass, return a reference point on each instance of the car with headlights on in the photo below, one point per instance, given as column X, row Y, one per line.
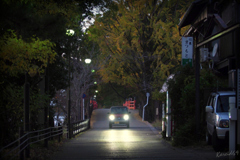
column 119, row 115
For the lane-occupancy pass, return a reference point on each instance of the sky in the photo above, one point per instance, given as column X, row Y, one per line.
column 88, row 22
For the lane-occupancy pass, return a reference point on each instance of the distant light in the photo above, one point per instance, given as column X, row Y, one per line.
column 94, row 96
column 95, row 82
column 96, row 91
column 87, row 60
column 93, row 70
column 70, row 32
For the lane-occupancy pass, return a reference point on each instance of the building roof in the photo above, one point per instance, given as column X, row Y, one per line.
column 192, row 12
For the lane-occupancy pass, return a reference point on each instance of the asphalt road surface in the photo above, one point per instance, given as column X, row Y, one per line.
column 140, row 141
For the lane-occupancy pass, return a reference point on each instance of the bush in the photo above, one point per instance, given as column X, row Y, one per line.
column 182, row 92
column 185, row 135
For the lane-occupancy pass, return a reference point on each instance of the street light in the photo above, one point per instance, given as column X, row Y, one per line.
column 69, row 32
column 87, row 60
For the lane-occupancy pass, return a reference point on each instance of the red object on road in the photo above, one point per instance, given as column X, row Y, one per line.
column 130, row 103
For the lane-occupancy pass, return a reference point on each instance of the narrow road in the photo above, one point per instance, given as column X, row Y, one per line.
column 140, row 141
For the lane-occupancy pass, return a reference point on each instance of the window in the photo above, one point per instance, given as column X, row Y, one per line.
column 223, row 103
column 119, row 110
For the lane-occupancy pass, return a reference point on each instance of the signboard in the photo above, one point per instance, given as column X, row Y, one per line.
column 187, row 50
column 84, row 95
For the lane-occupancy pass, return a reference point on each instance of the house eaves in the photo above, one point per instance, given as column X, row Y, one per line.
column 192, row 12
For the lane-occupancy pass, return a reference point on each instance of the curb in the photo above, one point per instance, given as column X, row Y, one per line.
column 154, row 130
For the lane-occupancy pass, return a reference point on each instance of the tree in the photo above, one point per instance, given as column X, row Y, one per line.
column 32, row 37
column 31, row 57
column 80, row 83
column 139, row 42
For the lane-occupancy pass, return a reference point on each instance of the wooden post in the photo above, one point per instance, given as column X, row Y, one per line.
column 59, row 130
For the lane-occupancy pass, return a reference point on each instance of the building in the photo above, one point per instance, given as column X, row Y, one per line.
column 215, row 28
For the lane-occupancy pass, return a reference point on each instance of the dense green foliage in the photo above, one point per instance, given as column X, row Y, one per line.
column 111, row 94
column 139, row 42
column 32, row 40
column 182, row 93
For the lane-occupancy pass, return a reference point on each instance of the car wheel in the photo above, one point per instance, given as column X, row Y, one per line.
column 208, row 138
column 110, row 125
column 216, row 142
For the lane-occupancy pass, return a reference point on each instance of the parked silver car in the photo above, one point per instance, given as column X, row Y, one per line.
column 217, row 119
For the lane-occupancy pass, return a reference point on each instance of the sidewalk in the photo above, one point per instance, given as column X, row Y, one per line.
column 205, row 151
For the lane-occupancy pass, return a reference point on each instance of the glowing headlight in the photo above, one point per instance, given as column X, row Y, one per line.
column 111, row 117
column 126, row 117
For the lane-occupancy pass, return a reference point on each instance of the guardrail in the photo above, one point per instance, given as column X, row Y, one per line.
column 17, row 148
column 24, row 141
column 80, row 126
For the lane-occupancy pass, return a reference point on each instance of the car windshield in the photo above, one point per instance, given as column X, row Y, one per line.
column 223, row 103
column 119, row 110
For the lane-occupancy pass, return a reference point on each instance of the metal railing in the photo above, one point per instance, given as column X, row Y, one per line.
column 17, row 148
column 24, row 141
column 80, row 126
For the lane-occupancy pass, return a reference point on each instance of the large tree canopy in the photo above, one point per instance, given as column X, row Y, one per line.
column 139, row 42
column 18, row 57
column 32, row 40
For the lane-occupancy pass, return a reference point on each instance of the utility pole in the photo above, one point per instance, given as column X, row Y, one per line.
column 197, row 87
column 46, row 108
column 197, row 100
column 237, row 133
column 26, row 111
column 69, row 100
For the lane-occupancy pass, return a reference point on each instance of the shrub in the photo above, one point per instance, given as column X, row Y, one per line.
column 182, row 92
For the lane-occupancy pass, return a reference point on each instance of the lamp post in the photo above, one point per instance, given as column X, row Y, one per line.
column 87, row 61
column 69, row 32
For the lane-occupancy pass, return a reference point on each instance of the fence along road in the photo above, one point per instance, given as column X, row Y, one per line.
column 140, row 141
